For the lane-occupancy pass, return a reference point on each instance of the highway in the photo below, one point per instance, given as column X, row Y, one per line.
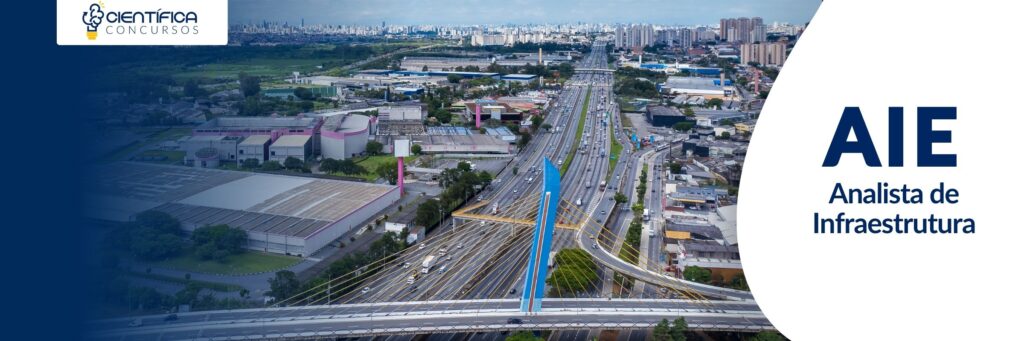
column 472, row 284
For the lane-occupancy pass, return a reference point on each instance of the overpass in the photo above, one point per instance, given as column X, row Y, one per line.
column 372, row 319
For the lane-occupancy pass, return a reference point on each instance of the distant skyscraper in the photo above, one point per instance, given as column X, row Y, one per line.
column 742, row 30
column 763, row 53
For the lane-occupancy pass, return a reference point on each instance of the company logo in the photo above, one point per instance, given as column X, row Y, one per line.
column 92, row 20
column 142, row 22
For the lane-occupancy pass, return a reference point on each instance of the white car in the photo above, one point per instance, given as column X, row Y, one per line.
column 366, row 290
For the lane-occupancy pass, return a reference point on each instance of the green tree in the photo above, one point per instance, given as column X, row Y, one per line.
column 523, row 336
column 293, row 163
column 388, row 170
column 768, row 336
column 697, row 274
column 349, row 166
column 675, row 168
column 714, row 103
column 620, row 198
column 250, row 163
column 454, row 78
column 679, row 329
column 536, row 120
column 218, row 241
column 428, row 213
column 546, row 126
column 417, row 149
column 683, row 125
column 271, row 166
column 662, row 331
column 283, row 285
column 250, row 85
column 689, row 111
column 303, row 93
column 374, row 147
column 524, row 139
column 329, row 165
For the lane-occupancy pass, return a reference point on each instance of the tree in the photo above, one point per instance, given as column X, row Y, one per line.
column 388, row 170
column 464, row 166
column 768, row 336
column 546, row 126
column 303, row 93
column 374, row 147
column 726, row 135
column 417, row 149
column 159, row 221
column 250, row 163
column 425, row 68
column 271, row 166
column 283, row 285
column 620, row 198
column 662, row 331
column 689, row 111
column 515, row 170
column 679, row 329
column 348, row 166
column 536, row 120
column 249, row 85
column 524, row 139
column 428, row 213
column 697, row 274
column 329, row 165
column 218, row 241
column 675, row 168
column 454, row 79
column 714, row 103
column 523, row 336
column 683, row 125
column 293, row 163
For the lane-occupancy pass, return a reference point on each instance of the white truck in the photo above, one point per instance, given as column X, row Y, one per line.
column 428, row 263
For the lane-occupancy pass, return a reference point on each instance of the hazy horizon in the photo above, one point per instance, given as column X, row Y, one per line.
column 494, row 12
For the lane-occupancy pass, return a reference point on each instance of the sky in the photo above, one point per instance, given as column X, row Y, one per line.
column 487, row 12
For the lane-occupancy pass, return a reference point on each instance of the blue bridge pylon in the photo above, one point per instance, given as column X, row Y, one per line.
column 537, row 270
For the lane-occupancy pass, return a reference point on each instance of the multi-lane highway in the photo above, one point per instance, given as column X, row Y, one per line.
column 476, row 268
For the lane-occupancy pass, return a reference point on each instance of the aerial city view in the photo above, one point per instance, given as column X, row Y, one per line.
column 459, row 171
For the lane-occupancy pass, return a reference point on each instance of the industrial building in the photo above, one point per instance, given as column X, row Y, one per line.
column 345, row 135
column 294, row 146
column 663, row 116
column 236, row 139
column 281, row 214
column 698, row 86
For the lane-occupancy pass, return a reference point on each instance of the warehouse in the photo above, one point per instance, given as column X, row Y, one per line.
column 698, row 86
column 281, row 214
column 345, row 135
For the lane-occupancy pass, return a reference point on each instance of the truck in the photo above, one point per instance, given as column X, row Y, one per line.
column 603, row 185
column 647, row 215
column 428, row 263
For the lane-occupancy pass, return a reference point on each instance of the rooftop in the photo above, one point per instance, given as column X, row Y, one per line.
column 258, row 122
column 659, row 110
column 696, row 83
column 255, row 140
column 278, row 204
column 291, row 141
column 346, row 123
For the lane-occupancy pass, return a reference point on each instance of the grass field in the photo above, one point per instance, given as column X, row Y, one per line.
column 579, row 134
column 372, row 162
column 243, row 263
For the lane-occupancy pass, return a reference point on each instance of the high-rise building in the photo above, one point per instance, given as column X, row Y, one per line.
column 685, row 38
column 742, row 30
column 620, row 39
column 764, row 53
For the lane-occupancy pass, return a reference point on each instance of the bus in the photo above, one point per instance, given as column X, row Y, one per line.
column 602, row 185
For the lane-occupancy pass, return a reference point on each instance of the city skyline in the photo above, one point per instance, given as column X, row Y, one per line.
column 463, row 12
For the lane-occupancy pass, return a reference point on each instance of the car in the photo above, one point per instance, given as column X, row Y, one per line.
column 171, row 317
column 405, row 265
column 135, row 323
column 512, row 292
column 366, row 290
column 413, row 288
column 458, row 246
column 514, row 321
column 602, row 211
column 423, row 246
column 594, row 246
